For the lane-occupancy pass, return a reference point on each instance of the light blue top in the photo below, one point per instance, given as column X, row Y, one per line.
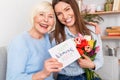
column 26, row 56
column 74, row 69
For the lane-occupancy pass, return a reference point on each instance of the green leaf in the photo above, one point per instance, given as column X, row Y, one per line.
column 91, row 17
column 94, row 44
column 91, row 74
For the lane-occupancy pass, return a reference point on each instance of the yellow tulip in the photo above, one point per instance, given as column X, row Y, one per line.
column 91, row 43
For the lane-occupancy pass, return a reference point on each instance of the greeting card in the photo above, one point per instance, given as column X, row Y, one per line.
column 65, row 52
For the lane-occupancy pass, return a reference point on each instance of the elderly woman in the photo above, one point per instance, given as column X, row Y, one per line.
column 28, row 57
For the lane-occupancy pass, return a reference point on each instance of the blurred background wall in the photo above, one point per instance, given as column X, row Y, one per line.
column 14, row 18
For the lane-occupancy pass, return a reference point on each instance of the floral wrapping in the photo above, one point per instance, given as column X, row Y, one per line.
column 85, row 45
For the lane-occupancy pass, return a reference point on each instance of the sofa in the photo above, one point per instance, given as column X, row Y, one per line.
column 3, row 63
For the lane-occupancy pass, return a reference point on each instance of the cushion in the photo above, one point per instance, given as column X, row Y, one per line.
column 3, row 63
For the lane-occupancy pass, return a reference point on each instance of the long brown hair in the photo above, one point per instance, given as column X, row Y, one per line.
column 59, row 33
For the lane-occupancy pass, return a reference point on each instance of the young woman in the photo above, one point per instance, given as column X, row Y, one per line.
column 28, row 57
column 68, row 24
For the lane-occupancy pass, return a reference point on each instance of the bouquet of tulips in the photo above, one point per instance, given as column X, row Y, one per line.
column 86, row 45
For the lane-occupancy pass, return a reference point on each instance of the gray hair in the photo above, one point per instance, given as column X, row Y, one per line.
column 43, row 6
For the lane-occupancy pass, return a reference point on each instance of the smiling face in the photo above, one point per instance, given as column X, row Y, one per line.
column 65, row 14
column 44, row 21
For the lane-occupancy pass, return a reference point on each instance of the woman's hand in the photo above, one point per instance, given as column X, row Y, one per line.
column 97, row 27
column 50, row 65
column 86, row 62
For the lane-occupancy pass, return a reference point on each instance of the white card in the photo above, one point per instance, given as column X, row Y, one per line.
column 65, row 52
